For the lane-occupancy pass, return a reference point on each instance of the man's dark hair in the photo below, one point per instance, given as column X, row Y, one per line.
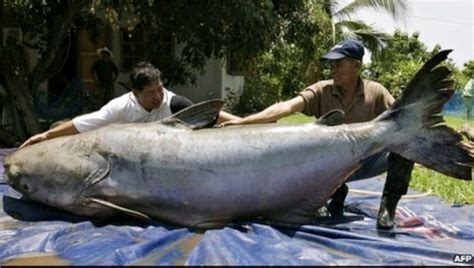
column 144, row 74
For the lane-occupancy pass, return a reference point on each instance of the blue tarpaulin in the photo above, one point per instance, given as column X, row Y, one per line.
column 455, row 106
column 429, row 232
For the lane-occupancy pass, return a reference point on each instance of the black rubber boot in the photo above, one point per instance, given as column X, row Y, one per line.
column 386, row 216
column 336, row 205
column 398, row 178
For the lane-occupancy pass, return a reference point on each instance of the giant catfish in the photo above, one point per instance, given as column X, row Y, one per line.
column 180, row 172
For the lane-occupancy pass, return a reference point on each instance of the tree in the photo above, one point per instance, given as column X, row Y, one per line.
column 46, row 35
column 207, row 28
column 462, row 77
column 290, row 64
column 468, row 70
column 402, row 58
column 343, row 26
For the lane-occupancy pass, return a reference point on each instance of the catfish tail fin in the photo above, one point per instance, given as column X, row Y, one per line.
column 421, row 134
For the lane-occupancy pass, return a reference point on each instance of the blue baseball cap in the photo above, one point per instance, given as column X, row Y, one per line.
column 348, row 48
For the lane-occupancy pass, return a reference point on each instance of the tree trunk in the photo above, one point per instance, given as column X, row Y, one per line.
column 62, row 25
column 23, row 101
column 19, row 84
column 16, row 85
column 7, row 139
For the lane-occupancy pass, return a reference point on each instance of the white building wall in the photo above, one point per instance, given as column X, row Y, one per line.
column 230, row 84
column 208, row 85
column 212, row 83
column 123, row 77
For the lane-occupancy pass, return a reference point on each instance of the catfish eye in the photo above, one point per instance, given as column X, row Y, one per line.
column 25, row 187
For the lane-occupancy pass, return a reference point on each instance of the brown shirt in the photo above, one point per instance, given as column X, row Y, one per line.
column 370, row 100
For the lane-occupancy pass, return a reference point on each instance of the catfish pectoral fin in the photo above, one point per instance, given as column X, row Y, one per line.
column 119, row 208
column 101, row 171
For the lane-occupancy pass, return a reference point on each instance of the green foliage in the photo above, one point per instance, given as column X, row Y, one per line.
column 468, row 70
column 209, row 28
column 344, row 27
column 206, row 28
column 39, row 20
column 293, row 61
column 397, row 79
column 401, row 59
column 257, row 95
column 278, row 42
column 291, row 64
column 457, row 76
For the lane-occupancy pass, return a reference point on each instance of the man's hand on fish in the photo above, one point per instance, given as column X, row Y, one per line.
column 35, row 139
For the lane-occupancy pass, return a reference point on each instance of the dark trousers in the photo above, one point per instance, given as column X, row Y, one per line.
column 398, row 172
column 106, row 92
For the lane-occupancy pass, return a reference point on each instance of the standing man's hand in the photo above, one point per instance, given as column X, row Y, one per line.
column 270, row 114
column 231, row 122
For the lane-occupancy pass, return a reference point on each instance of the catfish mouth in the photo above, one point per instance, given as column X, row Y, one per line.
column 16, row 180
column 22, row 184
column 15, row 176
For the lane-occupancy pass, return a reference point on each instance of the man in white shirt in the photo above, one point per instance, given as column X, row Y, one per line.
column 149, row 101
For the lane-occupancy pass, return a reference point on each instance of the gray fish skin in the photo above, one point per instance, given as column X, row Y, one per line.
column 208, row 177
column 195, row 177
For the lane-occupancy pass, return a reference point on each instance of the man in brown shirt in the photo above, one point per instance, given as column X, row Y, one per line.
column 361, row 100
column 370, row 99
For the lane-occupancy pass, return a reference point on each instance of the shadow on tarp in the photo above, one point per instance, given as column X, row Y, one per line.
column 23, row 209
column 26, row 210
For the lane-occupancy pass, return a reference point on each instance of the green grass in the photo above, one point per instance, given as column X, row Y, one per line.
column 423, row 179
column 451, row 190
column 297, row 118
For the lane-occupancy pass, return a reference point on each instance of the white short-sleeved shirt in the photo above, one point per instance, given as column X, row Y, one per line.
column 123, row 109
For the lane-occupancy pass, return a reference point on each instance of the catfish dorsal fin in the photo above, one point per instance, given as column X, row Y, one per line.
column 332, row 118
column 200, row 115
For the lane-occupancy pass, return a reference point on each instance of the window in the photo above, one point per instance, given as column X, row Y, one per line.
column 158, row 49
column 133, row 48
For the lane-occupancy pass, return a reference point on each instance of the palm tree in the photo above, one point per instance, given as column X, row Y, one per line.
column 347, row 28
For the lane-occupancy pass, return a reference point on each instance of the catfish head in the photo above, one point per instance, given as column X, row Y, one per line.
column 55, row 175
